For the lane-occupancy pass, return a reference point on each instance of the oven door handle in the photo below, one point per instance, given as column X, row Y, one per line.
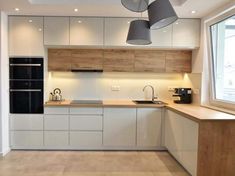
column 26, row 65
column 25, row 90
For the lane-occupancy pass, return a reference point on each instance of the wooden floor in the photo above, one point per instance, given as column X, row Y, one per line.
column 50, row 163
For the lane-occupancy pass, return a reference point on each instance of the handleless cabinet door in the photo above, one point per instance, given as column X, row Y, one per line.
column 56, row 122
column 56, row 30
column 149, row 127
column 178, row 61
column 26, row 139
column 86, row 122
column 181, row 139
column 162, row 38
column 86, row 31
column 26, row 36
column 56, row 139
column 150, row 61
column 186, row 33
column 190, row 145
column 174, row 134
column 119, row 127
column 116, row 30
column 119, row 60
column 26, row 122
column 56, row 110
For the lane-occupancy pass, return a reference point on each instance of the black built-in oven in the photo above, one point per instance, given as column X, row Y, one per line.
column 26, row 85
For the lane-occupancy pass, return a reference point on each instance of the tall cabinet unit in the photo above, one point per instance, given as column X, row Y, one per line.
column 56, row 30
column 86, row 31
column 26, row 36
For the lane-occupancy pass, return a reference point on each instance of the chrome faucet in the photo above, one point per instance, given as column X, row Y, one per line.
column 153, row 94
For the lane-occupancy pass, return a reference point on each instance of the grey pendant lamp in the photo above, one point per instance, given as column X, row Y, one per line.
column 139, row 33
column 161, row 14
column 136, row 5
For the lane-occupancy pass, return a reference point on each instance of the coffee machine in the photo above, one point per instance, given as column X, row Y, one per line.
column 184, row 94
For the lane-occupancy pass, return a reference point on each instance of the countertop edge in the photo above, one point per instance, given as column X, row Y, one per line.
column 186, row 110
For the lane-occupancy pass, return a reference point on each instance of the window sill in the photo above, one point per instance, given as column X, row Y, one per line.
column 219, row 109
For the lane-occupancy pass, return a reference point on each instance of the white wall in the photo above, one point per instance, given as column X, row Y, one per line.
column 98, row 85
column 4, row 85
column 194, row 81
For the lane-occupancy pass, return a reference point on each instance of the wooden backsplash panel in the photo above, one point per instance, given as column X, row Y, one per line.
column 178, row 61
column 119, row 60
column 150, row 61
column 87, row 59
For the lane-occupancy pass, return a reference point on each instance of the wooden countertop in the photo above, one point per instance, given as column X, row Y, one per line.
column 199, row 113
column 106, row 103
column 194, row 112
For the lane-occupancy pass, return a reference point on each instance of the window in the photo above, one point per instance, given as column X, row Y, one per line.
column 223, row 60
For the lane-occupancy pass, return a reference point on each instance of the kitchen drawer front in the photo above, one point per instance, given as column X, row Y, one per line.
column 56, row 122
column 85, row 139
column 86, row 122
column 56, row 110
column 56, row 138
column 86, row 111
column 26, row 122
column 26, row 139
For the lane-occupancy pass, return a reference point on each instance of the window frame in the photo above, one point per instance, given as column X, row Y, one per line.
column 212, row 87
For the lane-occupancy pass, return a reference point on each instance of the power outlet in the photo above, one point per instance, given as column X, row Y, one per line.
column 171, row 88
column 115, row 88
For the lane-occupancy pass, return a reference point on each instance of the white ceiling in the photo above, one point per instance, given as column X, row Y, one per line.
column 102, row 7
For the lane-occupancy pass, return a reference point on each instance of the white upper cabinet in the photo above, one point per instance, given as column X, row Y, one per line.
column 116, row 30
column 56, row 30
column 186, row 33
column 162, row 38
column 26, row 36
column 86, row 31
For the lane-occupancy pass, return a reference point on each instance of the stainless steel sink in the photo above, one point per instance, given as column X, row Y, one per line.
column 148, row 102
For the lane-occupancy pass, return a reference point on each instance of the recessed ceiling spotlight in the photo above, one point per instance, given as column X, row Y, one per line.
column 128, row 22
column 40, row 29
column 75, row 10
column 30, row 21
column 17, row 9
column 79, row 21
column 177, row 23
column 193, row 11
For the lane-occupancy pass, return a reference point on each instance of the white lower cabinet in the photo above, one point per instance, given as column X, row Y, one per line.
column 26, row 122
column 181, row 139
column 56, row 122
column 86, row 122
column 119, row 127
column 86, row 111
column 86, row 139
column 56, row 139
column 149, row 127
column 26, row 139
column 56, row 110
